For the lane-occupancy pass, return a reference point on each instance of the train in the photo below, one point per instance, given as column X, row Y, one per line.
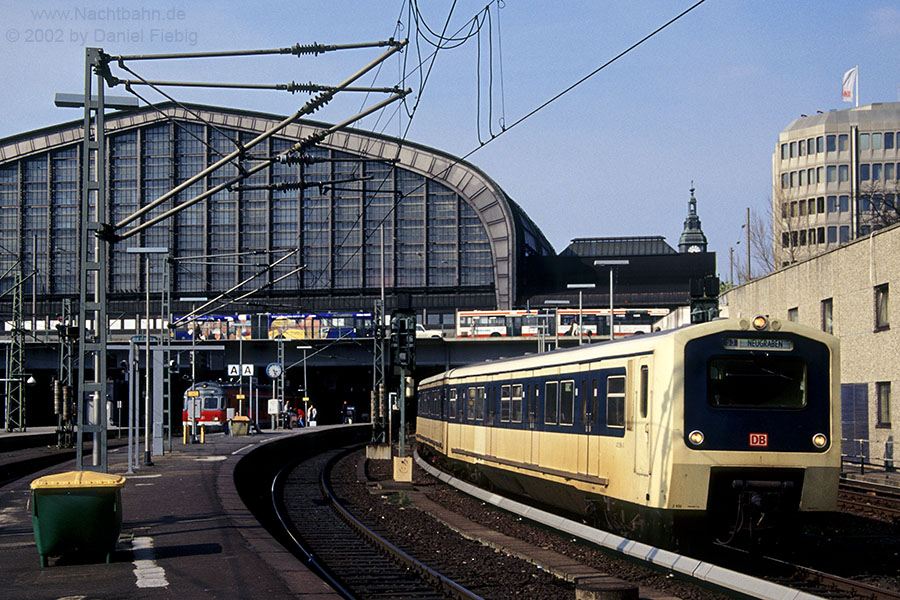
column 674, row 438
column 588, row 322
column 216, row 402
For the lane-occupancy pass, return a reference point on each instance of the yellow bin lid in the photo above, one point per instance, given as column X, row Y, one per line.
column 241, row 418
column 78, row 479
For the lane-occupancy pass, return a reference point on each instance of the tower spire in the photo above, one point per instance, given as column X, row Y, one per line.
column 692, row 237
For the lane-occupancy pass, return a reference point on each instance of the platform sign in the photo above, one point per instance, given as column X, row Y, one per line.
column 193, row 393
column 273, row 406
column 236, row 370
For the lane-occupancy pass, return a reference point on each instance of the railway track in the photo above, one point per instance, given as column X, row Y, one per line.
column 870, row 497
column 356, row 560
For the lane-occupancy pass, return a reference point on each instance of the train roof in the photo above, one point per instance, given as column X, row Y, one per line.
column 636, row 344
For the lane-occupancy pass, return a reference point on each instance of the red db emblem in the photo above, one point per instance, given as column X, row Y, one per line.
column 759, row 440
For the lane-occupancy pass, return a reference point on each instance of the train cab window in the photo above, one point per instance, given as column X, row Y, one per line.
column 452, row 414
column 504, row 403
column 551, row 402
column 516, row 404
column 756, row 382
column 566, row 402
column 470, row 404
column 212, row 402
column 615, row 401
column 645, row 392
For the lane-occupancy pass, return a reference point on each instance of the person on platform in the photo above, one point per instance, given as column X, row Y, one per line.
column 312, row 415
column 300, row 416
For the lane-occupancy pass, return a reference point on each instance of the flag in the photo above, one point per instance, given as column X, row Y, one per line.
column 848, row 84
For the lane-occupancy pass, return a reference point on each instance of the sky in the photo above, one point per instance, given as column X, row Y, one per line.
column 701, row 102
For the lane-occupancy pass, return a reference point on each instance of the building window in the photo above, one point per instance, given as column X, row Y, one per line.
column 830, row 143
column 863, row 172
column 876, row 141
column 820, row 233
column 828, row 315
column 832, row 174
column 864, row 141
column 844, row 203
column 784, row 151
column 811, row 176
column 844, row 234
column 793, row 149
column 785, row 180
column 832, row 204
column 844, row 173
column 820, row 174
column 802, row 237
column 843, row 140
column 832, row 235
column 812, row 206
column 888, row 171
column 883, row 392
column 882, row 317
column 785, row 239
column 811, row 146
column 801, row 151
column 820, row 144
column 889, row 140
column 820, row 204
column 793, row 314
column 876, row 172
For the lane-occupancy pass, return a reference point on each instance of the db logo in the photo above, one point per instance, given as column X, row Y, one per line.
column 759, row 440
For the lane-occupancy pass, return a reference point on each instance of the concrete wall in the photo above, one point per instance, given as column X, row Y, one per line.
column 848, row 275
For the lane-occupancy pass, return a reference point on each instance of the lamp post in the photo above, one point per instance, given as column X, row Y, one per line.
column 580, row 287
column 147, row 251
column 611, row 263
column 556, row 304
column 193, row 300
column 305, row 389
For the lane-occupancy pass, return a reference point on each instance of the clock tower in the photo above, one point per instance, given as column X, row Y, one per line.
column 692, row 238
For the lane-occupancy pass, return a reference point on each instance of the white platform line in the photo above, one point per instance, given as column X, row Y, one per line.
column 147, row 572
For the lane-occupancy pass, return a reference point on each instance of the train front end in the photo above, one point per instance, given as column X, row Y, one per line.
column 205, row 402
column 761, row 427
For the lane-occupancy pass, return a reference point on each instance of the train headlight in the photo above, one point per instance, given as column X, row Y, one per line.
column 696, row 437
column 760, row 322
column 820, row 440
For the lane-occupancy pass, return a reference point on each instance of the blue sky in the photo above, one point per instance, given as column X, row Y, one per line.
column 703, row 100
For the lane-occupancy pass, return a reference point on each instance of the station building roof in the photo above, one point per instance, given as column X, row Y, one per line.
column 452, row 230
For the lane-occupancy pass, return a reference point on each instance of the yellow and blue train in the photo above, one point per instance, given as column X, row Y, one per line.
column 706, row 430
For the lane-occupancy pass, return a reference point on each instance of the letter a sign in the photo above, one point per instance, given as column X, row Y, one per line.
column 240, row 370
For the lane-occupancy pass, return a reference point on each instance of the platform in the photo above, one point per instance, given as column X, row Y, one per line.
column 185, row 534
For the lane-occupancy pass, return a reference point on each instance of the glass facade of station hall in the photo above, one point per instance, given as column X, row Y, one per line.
column 435, row 236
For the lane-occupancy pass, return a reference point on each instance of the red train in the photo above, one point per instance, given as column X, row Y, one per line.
column 216, row 402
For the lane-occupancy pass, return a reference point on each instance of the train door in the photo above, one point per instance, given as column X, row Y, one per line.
column 533, row 395
column 642, row 417
column 583, row 425
column 592, row 425
column 477, row 398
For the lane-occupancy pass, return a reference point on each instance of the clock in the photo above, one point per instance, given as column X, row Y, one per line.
column 694, row 248
column 274, row 370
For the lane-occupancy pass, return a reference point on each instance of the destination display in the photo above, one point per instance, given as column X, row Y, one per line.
column 734, row 343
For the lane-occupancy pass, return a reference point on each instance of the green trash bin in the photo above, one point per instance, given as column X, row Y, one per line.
column 240, row 425
column 77, row 512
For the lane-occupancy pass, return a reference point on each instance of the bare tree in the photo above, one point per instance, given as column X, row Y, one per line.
column 879, row 203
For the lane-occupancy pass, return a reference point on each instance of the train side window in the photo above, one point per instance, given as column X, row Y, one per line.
column 479, row 404
column 566, row 402
column 615, row 401
column 594, row 400
column 645, row 392
column 504, row 403
column 452, row 410
column 470, row 404
column 551, row 402
column 516, row 404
